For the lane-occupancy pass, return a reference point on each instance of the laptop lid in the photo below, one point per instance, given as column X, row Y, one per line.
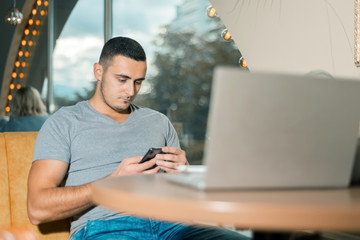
column 280, row 131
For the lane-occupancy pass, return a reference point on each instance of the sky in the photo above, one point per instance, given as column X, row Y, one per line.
column 81, row 40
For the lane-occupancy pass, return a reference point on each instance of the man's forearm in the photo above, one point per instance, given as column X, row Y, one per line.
column 58, row 203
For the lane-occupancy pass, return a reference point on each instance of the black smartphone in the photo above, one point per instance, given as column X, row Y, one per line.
column 151, row 153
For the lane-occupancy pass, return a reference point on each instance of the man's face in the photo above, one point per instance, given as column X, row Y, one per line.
column 121, row 82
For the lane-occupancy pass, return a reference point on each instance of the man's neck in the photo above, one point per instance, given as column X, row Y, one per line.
column 104, row 109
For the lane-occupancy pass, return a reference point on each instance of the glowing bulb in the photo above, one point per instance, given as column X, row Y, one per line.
column 7, row 109
column 34, row 11
column 18, row 86
column 21, row 75
column 31, row 21
column 27, row 31
column 226, row 35
column 242, row 62
column 23, row 64
column 211, row 12
column 21, row 53
column 46, row 3
column 17, row 64
column 30, row 43
column 37, row 22
column 12, row 86
column 10, row 97
column 27, row 54
column 38, row 2
column 23, row 42
column 13, row 75
column 42, row 12
column 34, row 32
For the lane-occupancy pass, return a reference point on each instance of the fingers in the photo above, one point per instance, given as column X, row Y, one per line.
column 152, row 171
column 130, row 166
column 146, row 165
column 140, row 167
column 169, row 167
column 166, row 164
column 172, row 157
column 173, row 150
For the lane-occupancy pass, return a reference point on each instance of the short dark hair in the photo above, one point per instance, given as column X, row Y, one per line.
column 124, row 46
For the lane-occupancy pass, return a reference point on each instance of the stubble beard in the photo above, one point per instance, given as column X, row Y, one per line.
column 115, row 108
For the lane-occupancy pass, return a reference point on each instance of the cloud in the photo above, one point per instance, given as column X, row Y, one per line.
column 74, row 58
column 81, row 40
column 85, row 19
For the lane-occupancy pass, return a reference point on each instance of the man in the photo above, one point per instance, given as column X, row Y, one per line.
column 100, row 138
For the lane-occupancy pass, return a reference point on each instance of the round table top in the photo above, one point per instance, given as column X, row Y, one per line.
column 153, row 196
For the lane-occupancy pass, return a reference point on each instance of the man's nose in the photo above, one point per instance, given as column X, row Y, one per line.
column 130, row 89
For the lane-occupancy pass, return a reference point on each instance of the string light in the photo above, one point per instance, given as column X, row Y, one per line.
column 226, row 35
column 242, row 62
column 35, row 19
column 211, row 12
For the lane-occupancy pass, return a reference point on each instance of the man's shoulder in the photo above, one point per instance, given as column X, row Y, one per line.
column 146, row 110
column 68, row 114
column 66, row 119
column 72, row 110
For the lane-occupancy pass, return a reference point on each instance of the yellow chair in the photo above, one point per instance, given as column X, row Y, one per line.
column 16, row 152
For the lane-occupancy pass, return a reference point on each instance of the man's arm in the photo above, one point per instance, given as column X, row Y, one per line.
column 47, row 201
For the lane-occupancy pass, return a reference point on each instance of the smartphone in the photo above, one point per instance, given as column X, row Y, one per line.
column 151, row 153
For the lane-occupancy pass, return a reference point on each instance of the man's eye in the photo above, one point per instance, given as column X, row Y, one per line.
column 138, row 82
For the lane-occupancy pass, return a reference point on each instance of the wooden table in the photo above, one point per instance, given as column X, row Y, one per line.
column 266, row 210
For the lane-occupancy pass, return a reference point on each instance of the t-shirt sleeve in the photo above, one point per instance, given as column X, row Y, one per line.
column 172, row 139
column 53, row 140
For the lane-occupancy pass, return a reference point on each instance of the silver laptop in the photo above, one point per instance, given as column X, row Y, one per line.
column 278, row 131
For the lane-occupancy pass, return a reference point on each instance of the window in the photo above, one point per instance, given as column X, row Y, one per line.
column 76, row 50
column 183, row 46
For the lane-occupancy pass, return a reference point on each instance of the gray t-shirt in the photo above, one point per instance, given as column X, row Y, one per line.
column 94, row 145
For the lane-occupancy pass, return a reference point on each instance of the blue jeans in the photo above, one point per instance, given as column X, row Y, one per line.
column 131, row 228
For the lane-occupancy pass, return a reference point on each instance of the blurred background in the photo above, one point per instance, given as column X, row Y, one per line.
column 55, row 46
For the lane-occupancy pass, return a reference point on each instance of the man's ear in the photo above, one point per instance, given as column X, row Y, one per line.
column 98, row 71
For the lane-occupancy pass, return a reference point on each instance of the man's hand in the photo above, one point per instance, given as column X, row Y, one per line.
column 130, row 166
column 173, row 158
